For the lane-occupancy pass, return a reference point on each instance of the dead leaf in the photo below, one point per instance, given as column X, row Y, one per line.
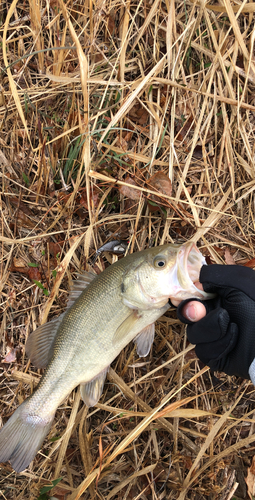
column 19, row 262
column 3, row 159
column 34, row 274
column 11, row 300
column 55, row 248
column 23, row 213
column 94, row 198
column 128, row 135
column 111, row 25
column 122, row 143
column 60, row 493
column 53, row 4
column 250, row 480
column 184, row 129
column 250, row 263
column 129, row 192
column 21, row 206
column 24, row 221
column 139, row 114
column 21, row 133
column 187, row 461
column 198, row 152
column 159, row 182
column 228, row 258
column 16, row 269
column 10, row 356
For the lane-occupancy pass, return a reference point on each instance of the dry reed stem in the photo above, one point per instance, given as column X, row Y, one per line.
column 213, row 432
column 59, row 277
column 118, row 488
column 133, row 435
column 131, row 395
column 66, row 437
column 13, row 88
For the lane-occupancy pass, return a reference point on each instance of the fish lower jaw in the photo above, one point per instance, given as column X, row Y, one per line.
column 191, row 293
column 151, row 303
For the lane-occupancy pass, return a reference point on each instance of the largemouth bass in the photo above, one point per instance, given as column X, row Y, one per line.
column 105, row 313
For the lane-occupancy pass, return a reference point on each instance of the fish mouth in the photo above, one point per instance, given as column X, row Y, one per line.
column 194, row 261
column 189, row 263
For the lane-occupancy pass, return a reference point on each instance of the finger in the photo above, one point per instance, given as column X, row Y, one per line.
column 196, row 314
column 194, row 311
column 212, row 352
column 210, row 328
column 175, row 302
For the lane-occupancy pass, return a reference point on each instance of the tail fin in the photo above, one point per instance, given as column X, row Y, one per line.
column 22, row 436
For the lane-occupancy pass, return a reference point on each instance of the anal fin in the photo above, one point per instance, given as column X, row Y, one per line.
column 144, row 340
column 92, row 391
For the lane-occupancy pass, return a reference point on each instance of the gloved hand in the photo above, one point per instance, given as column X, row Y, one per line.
column 225, row 337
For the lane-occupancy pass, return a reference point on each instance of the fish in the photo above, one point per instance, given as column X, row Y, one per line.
column 104, row 313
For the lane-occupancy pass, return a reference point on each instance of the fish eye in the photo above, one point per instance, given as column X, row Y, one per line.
column 159, row 262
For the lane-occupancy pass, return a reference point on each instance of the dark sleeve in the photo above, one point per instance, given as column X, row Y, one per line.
column 216, row 278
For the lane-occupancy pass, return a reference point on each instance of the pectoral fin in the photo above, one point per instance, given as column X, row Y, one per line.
column 40, row 342
column 144, row 340
column 92, row 391
column 125, row 327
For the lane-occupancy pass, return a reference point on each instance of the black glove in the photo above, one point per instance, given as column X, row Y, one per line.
column 225, row 337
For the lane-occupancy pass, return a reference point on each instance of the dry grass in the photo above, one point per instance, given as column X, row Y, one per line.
column 97, row 96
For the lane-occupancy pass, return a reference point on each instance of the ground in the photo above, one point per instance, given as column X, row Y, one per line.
column 129, row 121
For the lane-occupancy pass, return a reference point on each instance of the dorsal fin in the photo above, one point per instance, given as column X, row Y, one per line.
column 40, row 342
column 83, row 280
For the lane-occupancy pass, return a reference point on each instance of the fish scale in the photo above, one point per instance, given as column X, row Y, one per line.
column 106, row 312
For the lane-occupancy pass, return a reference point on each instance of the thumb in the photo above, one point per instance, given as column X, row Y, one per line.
column 194, row 310
column 190, row 311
